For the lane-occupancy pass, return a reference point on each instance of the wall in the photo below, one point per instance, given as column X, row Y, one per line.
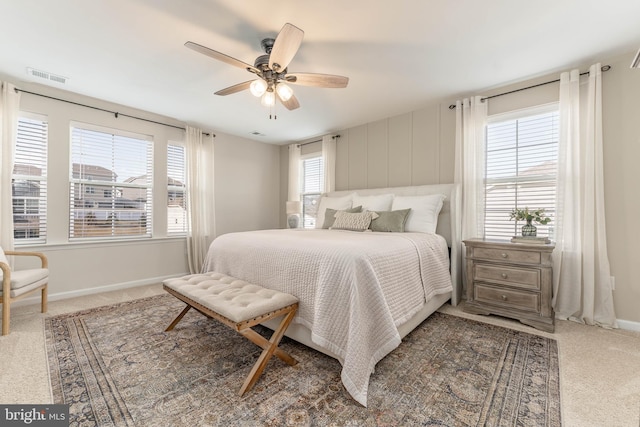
column 246, row 184
column 418, row 148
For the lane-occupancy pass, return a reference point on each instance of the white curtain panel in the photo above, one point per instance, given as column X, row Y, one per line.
column 582, row 277
column 469, row 168
column 9, row 107
column 329, row 159
column 200, row 197
column 294, row 173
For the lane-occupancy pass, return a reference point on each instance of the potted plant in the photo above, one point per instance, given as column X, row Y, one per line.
column 530, row 216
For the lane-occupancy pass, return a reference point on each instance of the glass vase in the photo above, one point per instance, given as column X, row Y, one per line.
column 529, row 230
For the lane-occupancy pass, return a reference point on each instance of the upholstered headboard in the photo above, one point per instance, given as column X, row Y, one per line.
column 449, row 221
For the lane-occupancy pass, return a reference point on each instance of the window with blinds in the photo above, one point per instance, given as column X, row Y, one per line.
column 110, row 184
column 312, row 187
column 29, row 181
column 176, row 190
column 521, row 165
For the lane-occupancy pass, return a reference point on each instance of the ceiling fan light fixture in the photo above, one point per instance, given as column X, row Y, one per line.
column 258, row 87
column 284, row 92
column 269, row 99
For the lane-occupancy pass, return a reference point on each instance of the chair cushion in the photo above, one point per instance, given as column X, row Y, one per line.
column 22, row 278
column 235, row 299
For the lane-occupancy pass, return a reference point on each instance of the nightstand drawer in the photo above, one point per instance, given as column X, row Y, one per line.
column 507, row 298
column 507, row 255
column 513, row 276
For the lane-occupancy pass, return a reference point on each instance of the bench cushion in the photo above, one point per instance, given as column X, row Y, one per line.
column 233, row 298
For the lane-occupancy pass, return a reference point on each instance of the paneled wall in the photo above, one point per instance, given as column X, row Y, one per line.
column 409, row 149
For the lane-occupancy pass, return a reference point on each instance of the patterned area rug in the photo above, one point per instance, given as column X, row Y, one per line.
column 116, row 366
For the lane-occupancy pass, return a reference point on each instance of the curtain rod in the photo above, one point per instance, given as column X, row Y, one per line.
column 317, row 140
column 603, row 68
column 115, row 113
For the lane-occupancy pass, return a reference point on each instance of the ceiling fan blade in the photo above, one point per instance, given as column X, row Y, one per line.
column 291, row 103
column 285, row 47
column 235, row 88
column 221, row 57
column 318, row 80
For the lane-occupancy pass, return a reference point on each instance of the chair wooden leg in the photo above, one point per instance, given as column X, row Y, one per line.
column 44, row 299
column 177, row 319
column 5, row 315
column 266, row 354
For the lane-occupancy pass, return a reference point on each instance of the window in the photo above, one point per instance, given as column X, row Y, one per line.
column 176, row 200
column 29, row 181
column 110, row 184
column 312, row 186
column 522, row 154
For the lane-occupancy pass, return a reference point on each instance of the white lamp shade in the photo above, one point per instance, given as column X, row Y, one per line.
column 258, row 87
column 268, row 99
column 284, row 92
column 294, row 207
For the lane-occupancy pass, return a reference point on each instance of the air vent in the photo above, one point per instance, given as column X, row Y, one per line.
column 47, row 76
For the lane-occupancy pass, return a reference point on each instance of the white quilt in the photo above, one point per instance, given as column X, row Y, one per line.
column 354, row 288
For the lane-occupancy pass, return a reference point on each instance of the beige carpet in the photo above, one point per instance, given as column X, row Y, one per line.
column 599, row 368
column 115, row 365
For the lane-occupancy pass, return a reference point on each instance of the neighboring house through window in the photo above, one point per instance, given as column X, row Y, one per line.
column 312, row 182
column 29, row 180
column 521, row 165
column 110, row 186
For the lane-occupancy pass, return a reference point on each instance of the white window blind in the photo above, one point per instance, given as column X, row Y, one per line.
column 176, row 189
column 312, row 186
column 29, row 183
column 522, row 154
column 110, row 184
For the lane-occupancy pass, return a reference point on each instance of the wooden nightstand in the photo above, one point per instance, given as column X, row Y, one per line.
column 512, row 280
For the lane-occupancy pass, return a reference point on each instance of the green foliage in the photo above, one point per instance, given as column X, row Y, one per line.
column 525, row 214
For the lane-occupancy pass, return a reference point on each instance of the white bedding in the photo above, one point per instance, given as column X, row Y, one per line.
column 354, row 288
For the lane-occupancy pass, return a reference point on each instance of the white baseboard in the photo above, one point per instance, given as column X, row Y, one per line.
column 628, row 325
column 90, row 291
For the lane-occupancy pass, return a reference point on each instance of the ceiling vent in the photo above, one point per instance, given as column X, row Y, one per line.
column 47, row 76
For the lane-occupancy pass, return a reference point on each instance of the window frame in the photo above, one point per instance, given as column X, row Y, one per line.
column 41, row 199
column 517, row 180
column 85, row 185
column 308, row 218
column 174, row 188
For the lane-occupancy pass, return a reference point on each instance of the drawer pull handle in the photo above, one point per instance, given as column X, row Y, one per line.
column 505, row 255
column 504, row 275
column 504, row 297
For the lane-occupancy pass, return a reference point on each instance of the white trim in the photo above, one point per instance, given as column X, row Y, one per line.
column 629, row 325
column 523, row 112
column 99, row 289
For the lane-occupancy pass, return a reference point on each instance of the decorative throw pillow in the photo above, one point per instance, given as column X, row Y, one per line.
column 423, row 217
column 380, row 202
column 337, row 203
column 330, row 215
column 353, row 221
column 391, row 221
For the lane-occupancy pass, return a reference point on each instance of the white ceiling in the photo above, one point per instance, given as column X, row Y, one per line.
column 399, row 56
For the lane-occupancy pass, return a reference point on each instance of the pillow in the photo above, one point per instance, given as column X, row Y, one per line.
column 381, row 202
column 423, row 217
column 392, row 221
column 330, row 215
column 353, row 221
column 337, row 203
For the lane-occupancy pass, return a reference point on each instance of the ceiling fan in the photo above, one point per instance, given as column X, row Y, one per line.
column 271, row 70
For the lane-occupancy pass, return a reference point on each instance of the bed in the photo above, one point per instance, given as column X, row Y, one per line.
column 360, row 292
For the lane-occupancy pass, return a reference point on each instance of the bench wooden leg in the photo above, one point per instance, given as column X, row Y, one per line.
column 177, row 319
column 269, row 348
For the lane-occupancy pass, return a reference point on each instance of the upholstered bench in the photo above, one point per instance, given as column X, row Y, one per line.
column 239, row 305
